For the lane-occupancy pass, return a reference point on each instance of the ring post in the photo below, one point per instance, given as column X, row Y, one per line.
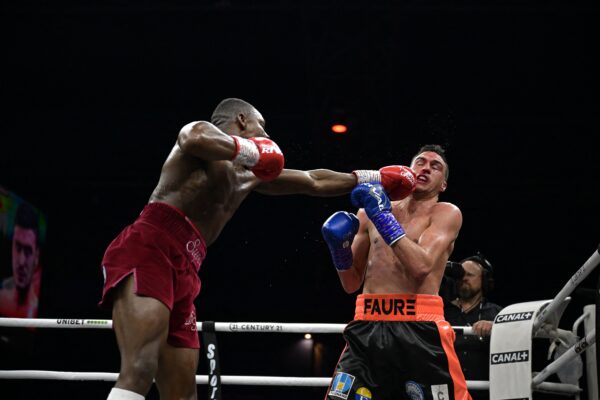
column 567, row 356
column 575, row 280
column 591, row 353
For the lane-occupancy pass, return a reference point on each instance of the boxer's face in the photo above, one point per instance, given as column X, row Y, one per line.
column 430, row 169
column 25, row 255
column 254, row 125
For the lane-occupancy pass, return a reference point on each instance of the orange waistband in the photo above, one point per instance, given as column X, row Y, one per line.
column 399, row 307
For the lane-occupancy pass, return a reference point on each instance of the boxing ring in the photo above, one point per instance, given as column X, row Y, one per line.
column 524, row 321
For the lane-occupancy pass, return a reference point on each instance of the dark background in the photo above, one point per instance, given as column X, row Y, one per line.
column 94, row 96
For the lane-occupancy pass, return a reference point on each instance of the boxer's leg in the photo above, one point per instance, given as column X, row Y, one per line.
column 178, row 360
column 141, row 325
column 176, row 377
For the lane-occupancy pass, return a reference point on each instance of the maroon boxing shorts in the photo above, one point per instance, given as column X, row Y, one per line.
column 163, row 250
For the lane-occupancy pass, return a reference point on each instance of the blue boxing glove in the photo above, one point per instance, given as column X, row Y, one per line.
column 339, row 231
column 378, row 207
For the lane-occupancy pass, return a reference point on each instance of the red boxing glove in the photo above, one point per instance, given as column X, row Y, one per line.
column 261, row 155
column 271, row 160
column 397, row 180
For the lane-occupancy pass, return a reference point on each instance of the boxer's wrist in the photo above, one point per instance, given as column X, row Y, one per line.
column 390, row 230
column 367, row 175
column 246, row 152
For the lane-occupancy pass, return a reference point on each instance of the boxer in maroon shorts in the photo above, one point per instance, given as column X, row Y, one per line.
column 151, row 268
column 180, row 247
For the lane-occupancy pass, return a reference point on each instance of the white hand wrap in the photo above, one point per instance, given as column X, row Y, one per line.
column 121, row 394
column 367, row 175
column 246, row 152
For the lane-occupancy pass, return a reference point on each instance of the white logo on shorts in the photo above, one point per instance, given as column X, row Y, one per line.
column 440, row 392
column 195, row 248
column 414, row 391
column 190, row 322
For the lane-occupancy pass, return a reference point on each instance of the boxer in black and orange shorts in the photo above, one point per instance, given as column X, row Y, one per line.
column 398, row 346
column 163, row 251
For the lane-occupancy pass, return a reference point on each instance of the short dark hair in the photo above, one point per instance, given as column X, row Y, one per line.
column 436, row 148
column 228, row 109
column 27, row 217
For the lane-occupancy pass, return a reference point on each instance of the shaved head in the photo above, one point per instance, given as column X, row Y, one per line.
column 228, row 109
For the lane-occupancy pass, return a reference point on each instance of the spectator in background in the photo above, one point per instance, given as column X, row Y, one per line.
column 19, row 293
column 472, row 308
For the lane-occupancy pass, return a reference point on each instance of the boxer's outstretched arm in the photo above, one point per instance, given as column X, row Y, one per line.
column 204, row 140
column 318, row 182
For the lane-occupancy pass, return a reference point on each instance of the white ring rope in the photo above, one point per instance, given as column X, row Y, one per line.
column 277, row 327
column 239, row 380
column 234, row 327
column 200, row 379
column 548, row 387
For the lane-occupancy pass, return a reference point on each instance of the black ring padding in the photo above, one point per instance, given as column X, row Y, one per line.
column 208, row 326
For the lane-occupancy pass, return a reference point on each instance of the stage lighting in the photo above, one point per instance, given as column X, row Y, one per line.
column 339, row 128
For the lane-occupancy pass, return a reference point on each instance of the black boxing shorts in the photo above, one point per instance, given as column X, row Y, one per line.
column 398, row 347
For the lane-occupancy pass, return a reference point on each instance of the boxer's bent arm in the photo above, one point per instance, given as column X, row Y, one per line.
column 352, row 279
column 434, row 245
column 203, row 140
column 318, row 182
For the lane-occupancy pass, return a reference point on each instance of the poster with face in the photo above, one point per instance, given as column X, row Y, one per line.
column 22, row 235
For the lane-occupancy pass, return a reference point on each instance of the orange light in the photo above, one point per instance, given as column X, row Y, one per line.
column 339, row 128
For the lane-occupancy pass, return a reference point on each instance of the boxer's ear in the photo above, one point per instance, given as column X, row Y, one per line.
column 241, row 121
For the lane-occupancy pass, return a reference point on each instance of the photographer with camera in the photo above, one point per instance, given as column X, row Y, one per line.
column 465, row 289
